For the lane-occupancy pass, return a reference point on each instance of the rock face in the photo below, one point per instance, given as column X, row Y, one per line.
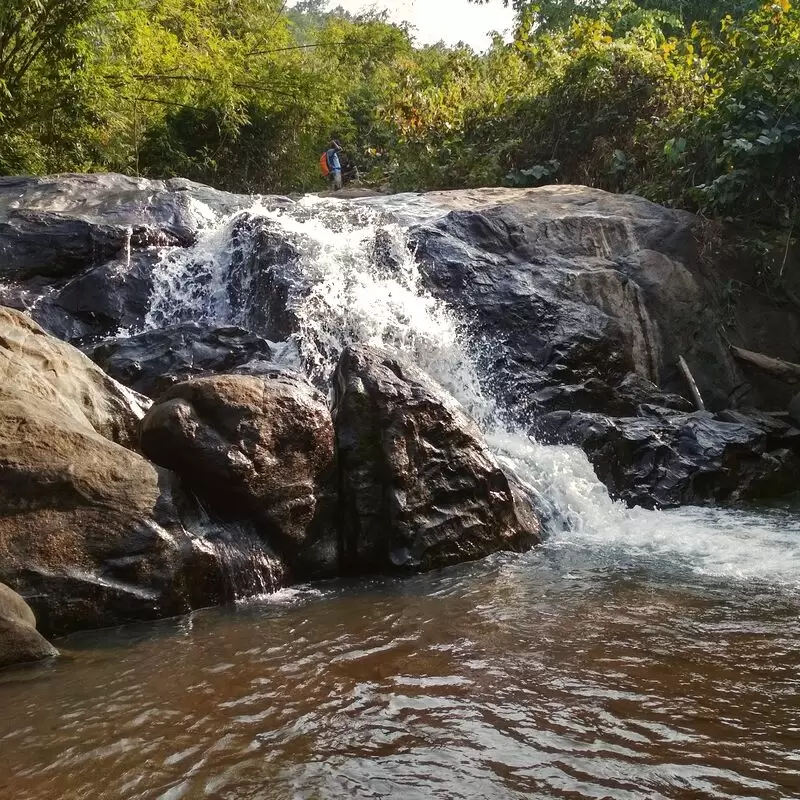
column 258, row 448
column 153, row 361
column 99, row 301
column 78, row 251
column 573, row 291
column 46, row 372
column 20, row 642
column 90, row 531
column 419, row 488
column 664, row 459
column 578, row 304
column 60, row 225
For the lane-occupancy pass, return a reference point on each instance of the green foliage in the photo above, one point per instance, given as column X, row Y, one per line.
column 550, row 15
column 587, row 113
column 678, row 101
column 744, row 138
column 690, row 102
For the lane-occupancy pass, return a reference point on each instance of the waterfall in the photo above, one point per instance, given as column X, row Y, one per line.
column 251, row 569
column 347, row 274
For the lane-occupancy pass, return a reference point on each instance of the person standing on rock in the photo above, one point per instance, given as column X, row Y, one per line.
column 334, row 165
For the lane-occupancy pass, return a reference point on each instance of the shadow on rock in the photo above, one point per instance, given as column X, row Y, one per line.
column 419, row 487
column 154, row 361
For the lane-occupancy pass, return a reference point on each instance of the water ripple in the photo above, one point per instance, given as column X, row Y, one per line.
column 504, row 679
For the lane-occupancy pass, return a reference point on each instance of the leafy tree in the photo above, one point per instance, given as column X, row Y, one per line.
column 742, row 139
column 689, row 102
column 44, row 118
column 35, row 32
column 558, row 14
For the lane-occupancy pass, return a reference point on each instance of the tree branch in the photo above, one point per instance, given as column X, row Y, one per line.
column 777, row 367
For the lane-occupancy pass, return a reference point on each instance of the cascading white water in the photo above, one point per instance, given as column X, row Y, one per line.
column 357, row 281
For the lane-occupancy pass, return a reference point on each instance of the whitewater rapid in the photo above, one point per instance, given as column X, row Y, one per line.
column 357, row 281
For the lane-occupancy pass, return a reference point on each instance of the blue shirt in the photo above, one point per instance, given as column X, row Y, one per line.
column 333, row 161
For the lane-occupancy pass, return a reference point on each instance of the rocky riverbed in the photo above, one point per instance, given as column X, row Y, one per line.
column 207, row 396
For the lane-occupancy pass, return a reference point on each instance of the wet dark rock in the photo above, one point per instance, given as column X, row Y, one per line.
column 77, row 252
column 419, row 488
column 101, row 301
column 794, row 410
column 20, row 642
column 59, row 225
column 259, row 449
column 265, row 272
column 153, row 361
column 260, row 368
column 636, row 391
column 43, row 243
column 103, row 231
column 25, row 295
column 569, row 291
column 661, row 458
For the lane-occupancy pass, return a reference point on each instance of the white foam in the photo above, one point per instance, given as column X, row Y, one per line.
column 348, row 295
column 720, row 542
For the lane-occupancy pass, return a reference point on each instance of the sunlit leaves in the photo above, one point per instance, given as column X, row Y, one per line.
column 693, row 102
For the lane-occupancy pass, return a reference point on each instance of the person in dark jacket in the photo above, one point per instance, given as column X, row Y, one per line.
column 334, row 165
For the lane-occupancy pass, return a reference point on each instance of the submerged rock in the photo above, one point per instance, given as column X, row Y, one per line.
column 419, row 487
column 258, row 448
column 20, row 642
column 153, row 361
column 665, row 459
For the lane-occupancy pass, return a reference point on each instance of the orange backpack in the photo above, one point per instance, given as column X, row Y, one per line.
column 323, row 164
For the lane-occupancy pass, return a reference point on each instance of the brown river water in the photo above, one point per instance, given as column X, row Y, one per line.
column 575, row 671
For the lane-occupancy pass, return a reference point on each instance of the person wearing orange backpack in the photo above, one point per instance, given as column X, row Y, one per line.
column 331, row 166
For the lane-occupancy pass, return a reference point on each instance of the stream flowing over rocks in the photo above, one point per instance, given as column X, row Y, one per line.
column 206, row 397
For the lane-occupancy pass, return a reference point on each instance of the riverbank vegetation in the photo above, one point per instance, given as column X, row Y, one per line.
column 693, row 103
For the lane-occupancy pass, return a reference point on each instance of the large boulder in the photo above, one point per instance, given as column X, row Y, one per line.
column 47, row 372
column 419, row 487
column 661, row 459
column 256, row 447
column 99, row 302
column 569, row 291
column 20, row 642
column 153, row 361
column 62, row 224
column 90, row 531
